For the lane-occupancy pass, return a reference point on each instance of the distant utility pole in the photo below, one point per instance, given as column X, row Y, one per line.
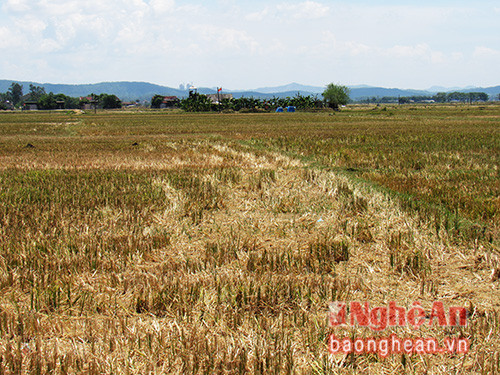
column 93, row 102
column 219, row 89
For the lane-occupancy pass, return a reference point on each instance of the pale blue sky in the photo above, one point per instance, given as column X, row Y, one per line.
column 248, row 44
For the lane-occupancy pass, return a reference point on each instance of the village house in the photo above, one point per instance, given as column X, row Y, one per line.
column 214, row 98
column 130, row 104
column 88, row 103
column 170, row 102
column 30, row 105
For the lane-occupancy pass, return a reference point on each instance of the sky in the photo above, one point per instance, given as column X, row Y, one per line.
column 242, row 44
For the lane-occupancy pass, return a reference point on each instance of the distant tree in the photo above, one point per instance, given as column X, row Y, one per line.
column 478, row 97
column 15, row 93
column 304, row 102
column 50, row 101
column 156, row 101
column 388, row 99
column 69, row 102
column 403, row 100
column 47, row 101
column 36, row 92
column 4, row 101
column 250, row 104
column 457, row 97
column 440, row 97
column 4, row 97
column 109, row 101
column 336, row 95
column 196, row 103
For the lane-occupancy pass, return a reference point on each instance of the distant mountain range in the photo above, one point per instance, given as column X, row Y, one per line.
column 128, row 91
column 365, row 91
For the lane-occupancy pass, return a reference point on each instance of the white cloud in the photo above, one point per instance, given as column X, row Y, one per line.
column 330, row 45
column 418, row 51
column 438, row 57
column 304, row 10
column 226, row 38
column 17, row 5
column 162, row 6
column 67, row 29
column 134, row 39
column 49, row 45
column 258, row 16
column 457, row 56
column 58, row 8
column 9, row 39
column 356, row 48
column 132, row 34
column 421, row 52
column 482, row 52
column 29, row 24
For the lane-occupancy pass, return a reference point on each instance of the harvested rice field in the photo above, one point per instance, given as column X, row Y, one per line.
column 158, row 242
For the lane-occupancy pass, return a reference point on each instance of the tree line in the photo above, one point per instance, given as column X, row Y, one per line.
column 14, row 98
column 197, row 102
column 464, row 97
column 333, row 97
column 440, row 97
